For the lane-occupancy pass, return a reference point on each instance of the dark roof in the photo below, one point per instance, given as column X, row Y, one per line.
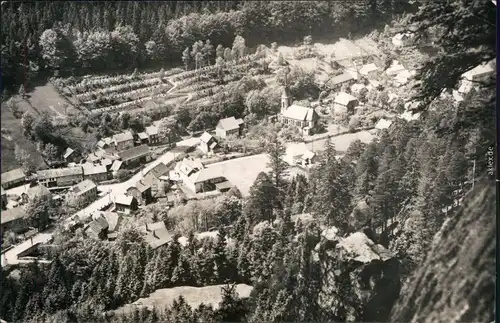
column 12, row 214
column 13, row 175
column 133, row 153
column 159, row 170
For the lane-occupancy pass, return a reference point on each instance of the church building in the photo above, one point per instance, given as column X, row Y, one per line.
column 305, row 118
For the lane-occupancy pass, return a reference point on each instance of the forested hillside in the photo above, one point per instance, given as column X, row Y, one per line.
column 39, row 38
column 381, row 216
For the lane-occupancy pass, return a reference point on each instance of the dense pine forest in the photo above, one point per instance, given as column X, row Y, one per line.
column 40, row 38
column 399, row 189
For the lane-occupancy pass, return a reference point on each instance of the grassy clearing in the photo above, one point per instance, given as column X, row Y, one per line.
column 12, row 135
column 242, row 172
column 194, row 296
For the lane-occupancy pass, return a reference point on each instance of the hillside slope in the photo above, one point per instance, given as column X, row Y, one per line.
column 456, row 282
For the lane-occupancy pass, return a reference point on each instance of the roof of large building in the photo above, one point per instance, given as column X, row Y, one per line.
column 124, row 136
column 344, row 98
column 206, row 137
column 13, row 175
column 83, row 187
column 339, row 79
column 12, row 214
column 59, row 172
column 230, row 123
column 203, row 175
column 91, row 169
column 134, row 152
column 297, row 112
column 151, row 130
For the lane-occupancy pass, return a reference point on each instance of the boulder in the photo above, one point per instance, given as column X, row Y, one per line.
column 361, row 279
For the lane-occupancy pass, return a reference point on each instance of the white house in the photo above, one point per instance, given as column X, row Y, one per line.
column 369, row 70
column 402, row 39
column 229, row 126
column 207, row 143
column 344, row 103
column 299, row 154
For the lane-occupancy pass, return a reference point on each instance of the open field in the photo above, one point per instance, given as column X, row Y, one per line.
column 12, row 135
column 46, row 98
column 194, row 296
column 242, row 172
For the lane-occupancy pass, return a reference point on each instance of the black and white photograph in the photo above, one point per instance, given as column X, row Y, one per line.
column 248, row 161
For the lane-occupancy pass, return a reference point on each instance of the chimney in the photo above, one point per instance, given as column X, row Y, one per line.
column 154, row 235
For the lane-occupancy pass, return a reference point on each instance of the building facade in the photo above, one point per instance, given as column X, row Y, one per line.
column 60, row 177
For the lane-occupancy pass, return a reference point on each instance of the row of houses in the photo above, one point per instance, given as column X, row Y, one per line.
column 127, row 139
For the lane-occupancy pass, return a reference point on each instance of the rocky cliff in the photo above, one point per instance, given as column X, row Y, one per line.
column 360, row 279
column 456, row 281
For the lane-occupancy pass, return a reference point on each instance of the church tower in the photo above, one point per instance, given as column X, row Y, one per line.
column 286, row 99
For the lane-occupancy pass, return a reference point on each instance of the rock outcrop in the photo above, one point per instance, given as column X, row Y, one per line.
column 360, row 279
column 456, row 281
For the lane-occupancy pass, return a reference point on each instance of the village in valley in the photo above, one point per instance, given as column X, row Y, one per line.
column 163, row 156
column 130, row 170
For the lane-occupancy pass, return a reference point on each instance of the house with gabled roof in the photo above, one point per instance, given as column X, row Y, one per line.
column 299, row 154
column 208, row 143
column 156, row 178
column 369, row 70
column 141, row 191
column 153, row 135
column 97, row 173
column 83, row 192
column 228, row 127
column 344, row 103
column 123, row 141
column 125, row 204
column 197, row 178
column 135, row 156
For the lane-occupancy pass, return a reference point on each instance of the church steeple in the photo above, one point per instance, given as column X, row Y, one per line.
column 286, row 98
